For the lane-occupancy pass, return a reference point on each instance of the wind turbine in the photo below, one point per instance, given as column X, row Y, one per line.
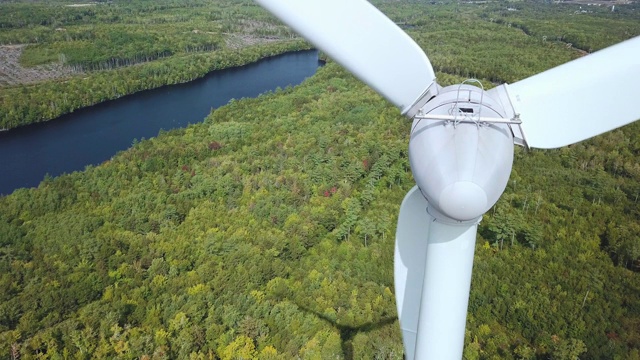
column 461, row 147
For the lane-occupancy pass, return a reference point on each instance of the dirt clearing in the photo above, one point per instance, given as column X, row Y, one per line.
column 12, row 73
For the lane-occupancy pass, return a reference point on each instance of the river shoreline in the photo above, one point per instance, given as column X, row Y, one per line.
column 103, row 86
column 92, row 135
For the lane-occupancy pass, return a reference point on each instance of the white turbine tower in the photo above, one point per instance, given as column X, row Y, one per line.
column 461, row 147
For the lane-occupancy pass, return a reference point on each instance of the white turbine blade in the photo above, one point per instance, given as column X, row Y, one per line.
column 580, row 99
column 432, row 274
column 363, row 40
column 409, row 264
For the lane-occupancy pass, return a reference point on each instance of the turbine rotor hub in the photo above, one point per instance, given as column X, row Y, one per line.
column 460, row 162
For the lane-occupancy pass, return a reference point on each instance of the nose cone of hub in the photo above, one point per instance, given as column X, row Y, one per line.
column 463, row 200
column 461, row 168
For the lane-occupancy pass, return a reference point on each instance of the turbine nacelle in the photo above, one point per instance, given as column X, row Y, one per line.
column 460, row 162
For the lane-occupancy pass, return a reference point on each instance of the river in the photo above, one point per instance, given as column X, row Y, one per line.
column 92, row 135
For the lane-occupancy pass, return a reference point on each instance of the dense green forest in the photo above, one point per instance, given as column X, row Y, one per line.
column 267, row 231
column 110, row 49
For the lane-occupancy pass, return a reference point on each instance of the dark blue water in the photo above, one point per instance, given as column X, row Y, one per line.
column 93, row 135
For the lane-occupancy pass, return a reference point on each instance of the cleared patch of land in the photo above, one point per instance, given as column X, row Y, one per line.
column 12, row 73
column 239, row 41
column 251, row 33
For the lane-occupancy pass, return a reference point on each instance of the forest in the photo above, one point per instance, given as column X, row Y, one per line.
column 112, row 49
column 267, row 230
